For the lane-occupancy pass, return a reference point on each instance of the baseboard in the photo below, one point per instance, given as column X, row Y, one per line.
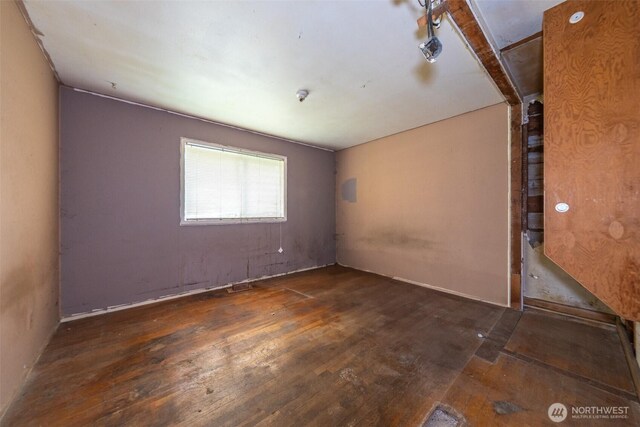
column 432, row 287
column 568, row 310
column 111, row 309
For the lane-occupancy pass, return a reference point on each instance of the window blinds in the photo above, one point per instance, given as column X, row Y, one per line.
column 222, row 183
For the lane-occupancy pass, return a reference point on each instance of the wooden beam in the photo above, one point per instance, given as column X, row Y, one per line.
column 521, row 42
column 465, row 20
column 437, row 11
column 515, row 202
column 568, row 310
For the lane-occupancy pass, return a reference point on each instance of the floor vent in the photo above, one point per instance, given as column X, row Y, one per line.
column 443, row 416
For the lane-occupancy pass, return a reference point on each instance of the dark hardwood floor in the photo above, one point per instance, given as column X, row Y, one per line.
column 328, row 347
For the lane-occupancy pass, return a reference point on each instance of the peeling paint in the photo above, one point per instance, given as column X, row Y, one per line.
column 38, row 35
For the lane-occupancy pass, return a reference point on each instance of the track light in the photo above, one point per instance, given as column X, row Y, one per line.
column 432, row 48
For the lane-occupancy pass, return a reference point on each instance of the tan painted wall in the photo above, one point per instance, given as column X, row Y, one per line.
column 29, row 201
column 431, row 205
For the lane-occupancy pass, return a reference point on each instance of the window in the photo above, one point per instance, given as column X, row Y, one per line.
column 222, row 185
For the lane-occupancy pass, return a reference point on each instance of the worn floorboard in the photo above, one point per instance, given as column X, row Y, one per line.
column 583, row 348
column 527, row 390
column 333, row 346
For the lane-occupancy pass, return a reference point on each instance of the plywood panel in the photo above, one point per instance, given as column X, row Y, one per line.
column 592, row 139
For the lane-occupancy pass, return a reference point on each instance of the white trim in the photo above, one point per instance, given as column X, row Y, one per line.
column 198, row 118
column 111, row 309
column 225, row 221
column 424, row 285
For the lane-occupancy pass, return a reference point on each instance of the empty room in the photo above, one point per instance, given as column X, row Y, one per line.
column 319, row 213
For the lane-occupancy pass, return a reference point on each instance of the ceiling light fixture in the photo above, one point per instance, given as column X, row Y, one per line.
column 432, row 48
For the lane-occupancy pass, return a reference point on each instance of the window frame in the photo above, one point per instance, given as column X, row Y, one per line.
column 224, row 221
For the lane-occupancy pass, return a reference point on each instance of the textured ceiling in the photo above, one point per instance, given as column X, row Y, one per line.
column 509, row 21
column 241, row 63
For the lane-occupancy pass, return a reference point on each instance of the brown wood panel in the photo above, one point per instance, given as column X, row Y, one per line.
column 516, row 204
column 592, row 140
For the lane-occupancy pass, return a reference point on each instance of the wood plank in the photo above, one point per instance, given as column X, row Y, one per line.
column 535, row 204
column 581, row 348
column 499, row 336
column 463, row 17
column 437, row 11
column 524, row 185
column 515, row 392
column 570, row 310
column 332, row 346
column 516, row 204
column 592, row 148
column 326, row 347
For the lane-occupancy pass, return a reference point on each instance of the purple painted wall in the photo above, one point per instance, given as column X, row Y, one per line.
column 120, row 208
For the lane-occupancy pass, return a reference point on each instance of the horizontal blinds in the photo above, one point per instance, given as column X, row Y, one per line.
column 220, row 183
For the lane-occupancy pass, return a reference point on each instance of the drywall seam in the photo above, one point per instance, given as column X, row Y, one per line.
column 424, row 285
column 198, row 118
column 111, row 309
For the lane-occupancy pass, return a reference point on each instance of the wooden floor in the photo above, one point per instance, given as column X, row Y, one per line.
column 329, row 347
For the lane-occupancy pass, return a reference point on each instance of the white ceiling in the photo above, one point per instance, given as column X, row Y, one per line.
column 241, row 63
column 509, row 21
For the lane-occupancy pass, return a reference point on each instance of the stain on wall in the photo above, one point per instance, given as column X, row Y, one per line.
column 29, row 278
column 120, row 208
column 432, row 205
